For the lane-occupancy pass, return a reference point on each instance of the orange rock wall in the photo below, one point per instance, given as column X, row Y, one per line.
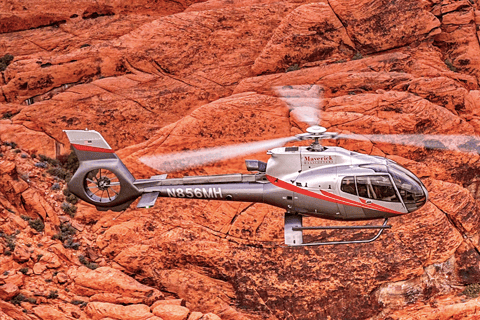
column 157, row 77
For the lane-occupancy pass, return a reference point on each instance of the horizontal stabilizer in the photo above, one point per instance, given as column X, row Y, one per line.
column 148, row 199
column 159, row 177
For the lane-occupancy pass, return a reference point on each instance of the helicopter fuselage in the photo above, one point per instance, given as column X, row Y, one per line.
column 333, row 184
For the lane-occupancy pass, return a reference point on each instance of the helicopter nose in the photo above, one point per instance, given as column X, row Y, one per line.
column 420, row 200
column 415, row 200
column 426, row 192
column 411, row 189
column 416, row 196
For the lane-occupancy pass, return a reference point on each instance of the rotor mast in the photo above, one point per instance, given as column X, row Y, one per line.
column 316, row 133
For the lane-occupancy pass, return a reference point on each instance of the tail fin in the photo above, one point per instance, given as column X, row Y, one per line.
column 101, row 178
column 89, row 145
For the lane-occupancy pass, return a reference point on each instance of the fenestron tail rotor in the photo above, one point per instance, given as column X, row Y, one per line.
column 101, row 185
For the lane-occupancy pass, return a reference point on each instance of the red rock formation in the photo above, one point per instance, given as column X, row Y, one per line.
column 378, row 26
column 111, row 285
column 309, row 33
column 168, row 76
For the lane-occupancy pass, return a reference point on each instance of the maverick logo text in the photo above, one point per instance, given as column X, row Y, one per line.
column 317, row 160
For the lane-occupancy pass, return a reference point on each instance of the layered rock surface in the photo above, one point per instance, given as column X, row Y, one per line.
column 160, row 77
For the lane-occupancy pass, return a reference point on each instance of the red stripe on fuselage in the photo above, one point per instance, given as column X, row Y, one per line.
column 327, row 196
column 81, row 147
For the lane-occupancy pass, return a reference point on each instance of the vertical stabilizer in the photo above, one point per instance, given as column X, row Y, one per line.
column 89, row 145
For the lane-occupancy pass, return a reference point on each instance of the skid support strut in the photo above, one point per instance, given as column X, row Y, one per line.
column 294, row 232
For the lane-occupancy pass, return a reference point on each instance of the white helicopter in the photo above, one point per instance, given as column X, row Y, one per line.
column 324, row 182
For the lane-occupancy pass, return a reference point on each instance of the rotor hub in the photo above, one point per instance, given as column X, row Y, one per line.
column 316, row 130
column 316, row 133
column 103, row 183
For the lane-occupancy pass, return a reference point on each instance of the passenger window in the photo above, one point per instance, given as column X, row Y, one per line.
column 377, row 188
column 348, row 185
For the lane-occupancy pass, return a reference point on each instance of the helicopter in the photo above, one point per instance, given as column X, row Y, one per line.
column 324, row 182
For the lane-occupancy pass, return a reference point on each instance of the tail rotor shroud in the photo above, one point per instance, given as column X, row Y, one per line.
column 102, row 185
column 101, row 178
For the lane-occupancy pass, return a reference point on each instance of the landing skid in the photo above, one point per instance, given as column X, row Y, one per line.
column 294, row 232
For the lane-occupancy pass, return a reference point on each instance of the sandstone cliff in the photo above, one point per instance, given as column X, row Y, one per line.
column 156, row 77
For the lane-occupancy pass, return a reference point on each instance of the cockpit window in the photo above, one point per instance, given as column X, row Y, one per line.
column 348, row 185
column 371, row 187
column 376, row 188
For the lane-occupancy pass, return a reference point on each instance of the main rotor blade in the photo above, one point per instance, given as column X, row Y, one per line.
column 195, row 158
column 304, row 101
column 429, row 141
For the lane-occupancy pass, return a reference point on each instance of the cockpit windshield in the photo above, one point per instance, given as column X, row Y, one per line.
column 379, row 186
column 409, row 186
